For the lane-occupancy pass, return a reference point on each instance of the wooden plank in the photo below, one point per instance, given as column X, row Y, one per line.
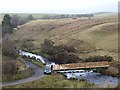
column 81, row 65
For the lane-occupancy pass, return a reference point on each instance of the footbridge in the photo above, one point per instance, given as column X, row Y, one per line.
column 86, row 65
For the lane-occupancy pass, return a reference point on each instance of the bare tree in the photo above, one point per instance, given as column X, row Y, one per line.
column 15, row 20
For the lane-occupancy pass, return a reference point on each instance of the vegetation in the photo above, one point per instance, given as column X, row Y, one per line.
column 99, row 33
column 69, row 30
column 51, row 16
column 113, row 70
column 6, row 25
column 59, row 53
column 9, row 47
column 99, row 59
column 14, row 69
column 74, row 16
column 39, row 64
column 21, row 75
column 27, row 45
column 67, row 54
column 9, row 67
column 10, row 22
column 54, row 81
column 115, row 64
column 17, row 20
column 12, row 65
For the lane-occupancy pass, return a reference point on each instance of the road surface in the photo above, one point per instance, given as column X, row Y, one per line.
column 38, row 73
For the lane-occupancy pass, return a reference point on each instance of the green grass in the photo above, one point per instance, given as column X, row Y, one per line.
column 54, row 81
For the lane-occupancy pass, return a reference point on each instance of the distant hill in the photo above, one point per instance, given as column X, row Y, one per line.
column 105, row 13
column 85, row 34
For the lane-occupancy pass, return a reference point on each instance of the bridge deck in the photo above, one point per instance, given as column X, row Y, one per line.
column 81, row 65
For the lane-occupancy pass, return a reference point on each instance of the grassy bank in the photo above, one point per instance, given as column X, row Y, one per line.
column 54, row 81
column 20, row 71
column 113, row 70
column 13, row 77
column 39, row 64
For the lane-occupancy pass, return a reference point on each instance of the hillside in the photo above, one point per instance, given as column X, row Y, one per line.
column 95, row 36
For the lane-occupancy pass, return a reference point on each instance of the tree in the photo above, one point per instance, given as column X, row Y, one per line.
column 27, row 45
column 6, row 20
column 15, row 20
column 30, row 17
column 46, row 17
column 9, row 48
column 6, row 25
column 47, row 46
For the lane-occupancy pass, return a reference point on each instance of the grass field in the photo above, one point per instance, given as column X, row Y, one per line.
column 54, row 81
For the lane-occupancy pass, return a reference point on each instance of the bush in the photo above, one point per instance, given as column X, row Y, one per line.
column 64, row 57
column 9, row 67
column 27, row 45
column 112, row 71
column 9, row 48
column 98, row 59
column 12, row 77
column 59, row 53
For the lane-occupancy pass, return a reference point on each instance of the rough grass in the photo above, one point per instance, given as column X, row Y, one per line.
column 20, row 64
column 39, row 64
column 25, row 72
column 99, row 34
column 13, row 77
column 54, row 81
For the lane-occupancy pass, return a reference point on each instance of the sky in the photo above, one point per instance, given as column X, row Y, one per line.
column 58, row 6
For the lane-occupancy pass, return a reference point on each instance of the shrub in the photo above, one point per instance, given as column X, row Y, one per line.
column 59, row 53
column 98, row 59
column 64, row 57
column 9, row 48
column 27, row 45
column 9, row 67
column 12, row 77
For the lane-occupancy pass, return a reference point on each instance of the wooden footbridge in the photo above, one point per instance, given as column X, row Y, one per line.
column 86, row 65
